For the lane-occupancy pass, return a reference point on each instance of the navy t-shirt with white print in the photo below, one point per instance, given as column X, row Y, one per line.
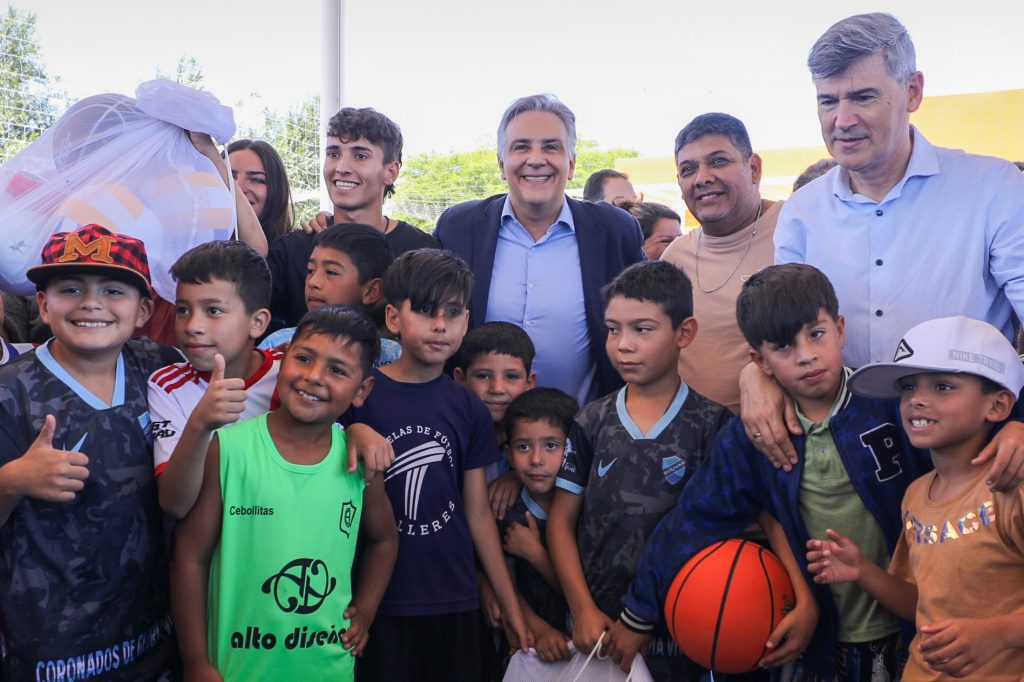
column 439, row 430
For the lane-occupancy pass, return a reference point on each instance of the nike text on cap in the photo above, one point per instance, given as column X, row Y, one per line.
column 951, row 345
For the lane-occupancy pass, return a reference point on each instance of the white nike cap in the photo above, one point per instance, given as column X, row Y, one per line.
column 952, row 345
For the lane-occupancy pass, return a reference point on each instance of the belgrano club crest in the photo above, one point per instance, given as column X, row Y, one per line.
column 425, row 448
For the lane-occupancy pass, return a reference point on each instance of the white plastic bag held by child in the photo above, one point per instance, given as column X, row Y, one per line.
column 125, row 164
column 579, row 667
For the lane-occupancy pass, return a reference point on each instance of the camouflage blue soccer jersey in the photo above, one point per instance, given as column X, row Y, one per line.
column 83, row 584
column 630, row 480
column 546, row 601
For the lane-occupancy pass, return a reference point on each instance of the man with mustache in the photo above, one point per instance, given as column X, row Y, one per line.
column 719, row 176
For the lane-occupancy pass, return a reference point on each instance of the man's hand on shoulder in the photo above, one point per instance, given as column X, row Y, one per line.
column 768, row 417
column 318, row 223
column 1006, row 453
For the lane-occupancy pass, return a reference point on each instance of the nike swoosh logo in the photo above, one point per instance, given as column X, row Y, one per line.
column 78, row 445
column 603, row 468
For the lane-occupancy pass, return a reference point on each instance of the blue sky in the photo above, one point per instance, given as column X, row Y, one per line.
column 634, row 72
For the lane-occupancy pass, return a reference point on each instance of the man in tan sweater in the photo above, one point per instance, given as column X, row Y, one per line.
column 719, row 175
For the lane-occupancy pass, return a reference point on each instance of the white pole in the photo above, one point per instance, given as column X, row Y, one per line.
column 332, row 25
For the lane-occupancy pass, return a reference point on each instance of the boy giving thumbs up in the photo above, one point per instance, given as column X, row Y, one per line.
column 221, row 310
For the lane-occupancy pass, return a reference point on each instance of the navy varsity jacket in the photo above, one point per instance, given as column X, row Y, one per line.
column 736, row 481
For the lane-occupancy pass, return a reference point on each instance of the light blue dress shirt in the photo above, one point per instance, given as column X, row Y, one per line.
column 947, row 240
column 539, row 286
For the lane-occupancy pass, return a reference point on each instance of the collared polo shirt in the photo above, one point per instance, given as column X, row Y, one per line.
column 827, row 499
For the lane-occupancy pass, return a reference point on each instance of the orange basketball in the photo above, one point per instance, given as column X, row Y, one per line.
column 725, row 602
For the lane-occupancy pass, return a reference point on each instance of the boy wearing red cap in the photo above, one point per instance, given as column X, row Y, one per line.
column 83, row 585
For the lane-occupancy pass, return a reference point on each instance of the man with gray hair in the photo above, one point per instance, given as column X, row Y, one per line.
column 906, row 231
column 539, row 258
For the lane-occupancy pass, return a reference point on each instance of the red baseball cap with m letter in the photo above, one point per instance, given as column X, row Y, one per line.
column 91, row 250
column 949, row 345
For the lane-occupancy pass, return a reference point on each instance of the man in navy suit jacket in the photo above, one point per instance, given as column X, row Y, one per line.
column 539, row 258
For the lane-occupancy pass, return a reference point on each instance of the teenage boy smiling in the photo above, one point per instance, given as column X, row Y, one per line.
column 363, row 157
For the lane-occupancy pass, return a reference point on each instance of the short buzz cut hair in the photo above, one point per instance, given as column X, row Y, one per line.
column 716, row 123
column 229, row 260
column 775, row 303
column 342, row 322
column 503, row 338
column 364, row 245
column 593, row 189
column 813, row 172
column 543, row 403
column 659, row 282
column 860, row 36
column 427, row 278
column 350, row 124
column 543, row 102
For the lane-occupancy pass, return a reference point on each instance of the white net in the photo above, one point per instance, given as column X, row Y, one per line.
column 29, row 101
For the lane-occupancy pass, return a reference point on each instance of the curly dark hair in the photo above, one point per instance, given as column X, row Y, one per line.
column 350, row 124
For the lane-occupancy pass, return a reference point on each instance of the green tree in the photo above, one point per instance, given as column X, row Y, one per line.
column 187, row 72
column 295, row 136
column 590, row 157
column 28, row 100
column 431, row 182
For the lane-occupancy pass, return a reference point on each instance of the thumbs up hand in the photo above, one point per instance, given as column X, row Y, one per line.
column 224, row 400
column 47, row 473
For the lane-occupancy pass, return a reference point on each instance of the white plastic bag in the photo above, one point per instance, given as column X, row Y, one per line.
column 579, row 667
column 106, row 161
column 186, row 108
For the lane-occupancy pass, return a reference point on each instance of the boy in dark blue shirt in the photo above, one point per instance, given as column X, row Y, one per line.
column 631, row 455
column 443, row 438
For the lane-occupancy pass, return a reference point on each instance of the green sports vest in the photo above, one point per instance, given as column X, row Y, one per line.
column 280, row 576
